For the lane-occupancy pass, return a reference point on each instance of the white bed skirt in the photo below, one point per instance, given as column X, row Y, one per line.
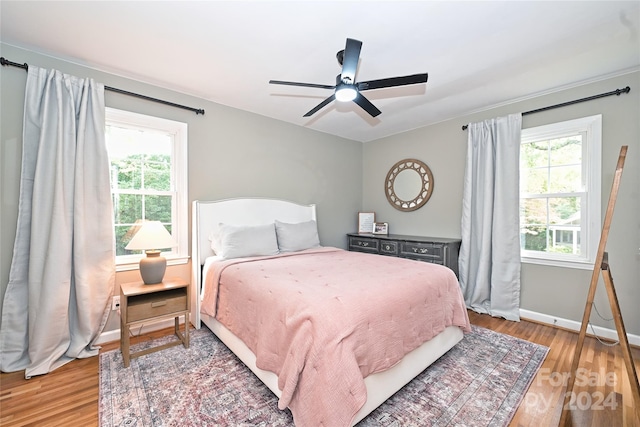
column 380, row 386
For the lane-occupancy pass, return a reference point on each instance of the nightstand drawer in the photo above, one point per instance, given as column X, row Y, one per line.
column 434, row 252
column 147, row 306
column 363, row 244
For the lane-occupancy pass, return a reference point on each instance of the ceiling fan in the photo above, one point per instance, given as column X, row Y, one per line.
column 346, row 89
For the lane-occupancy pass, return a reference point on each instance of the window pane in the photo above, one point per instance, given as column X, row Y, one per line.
column 533, row 238
column 127, row 141
column 534, row 181
column 533, row 224
column 565, row 240
column 534, row 154
column 124, row 234
column 566, row 151
column 550, row 225
column 157, row 172
column 139, row 158
column 533, row 212
column 126, row 173
column 157, row 208
column 565, row 179
column 127, row 208
column 564, row 210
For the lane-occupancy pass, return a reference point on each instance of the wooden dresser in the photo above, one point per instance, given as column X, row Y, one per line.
column 437, row 250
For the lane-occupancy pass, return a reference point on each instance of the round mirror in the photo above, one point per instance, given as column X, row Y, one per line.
column 409, row 185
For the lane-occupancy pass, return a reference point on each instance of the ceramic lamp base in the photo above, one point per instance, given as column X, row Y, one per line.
column 152, row 267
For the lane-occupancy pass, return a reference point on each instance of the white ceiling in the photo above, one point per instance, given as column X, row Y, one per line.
column 478, row 54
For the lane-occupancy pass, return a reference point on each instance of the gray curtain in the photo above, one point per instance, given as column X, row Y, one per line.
column 489, row 260
column 62, row 272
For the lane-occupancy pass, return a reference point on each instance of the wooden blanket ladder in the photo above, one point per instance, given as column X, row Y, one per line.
column 631, row 410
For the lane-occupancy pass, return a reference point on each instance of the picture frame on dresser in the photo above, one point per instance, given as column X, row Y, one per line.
column 366, row 220
column 380, row 228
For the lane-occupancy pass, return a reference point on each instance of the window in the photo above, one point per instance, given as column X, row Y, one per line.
column 148, row 158
column 560, row 193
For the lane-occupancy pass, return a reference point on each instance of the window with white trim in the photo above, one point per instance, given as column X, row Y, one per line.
column 560, row 198
column 148, row 163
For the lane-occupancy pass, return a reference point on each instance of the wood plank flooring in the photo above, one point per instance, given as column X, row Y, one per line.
column 68, row 396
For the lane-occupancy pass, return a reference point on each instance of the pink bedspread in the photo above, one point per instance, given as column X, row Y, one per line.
column 323, row 319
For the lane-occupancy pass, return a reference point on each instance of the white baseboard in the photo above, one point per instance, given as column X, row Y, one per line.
column 611, row 334
column 115, row 334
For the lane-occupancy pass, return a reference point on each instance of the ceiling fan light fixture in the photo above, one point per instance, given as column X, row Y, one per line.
column 346, row 88
column 345, row 93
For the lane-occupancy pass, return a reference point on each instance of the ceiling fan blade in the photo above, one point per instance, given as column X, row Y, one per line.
column 393, row 81
column 320, row 106
column 366, row 105
column 280, row 82
column 350, row 60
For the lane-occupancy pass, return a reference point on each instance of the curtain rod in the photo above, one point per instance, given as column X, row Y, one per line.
column 576, row 101
column 25, row 66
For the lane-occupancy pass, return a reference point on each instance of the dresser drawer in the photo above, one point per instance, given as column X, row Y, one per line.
column 389, row 247
column 146, row 306
column 432, row 252
column 363, row 244
column 436, row 250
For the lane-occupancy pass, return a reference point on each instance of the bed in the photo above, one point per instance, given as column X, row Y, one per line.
column 308, row 359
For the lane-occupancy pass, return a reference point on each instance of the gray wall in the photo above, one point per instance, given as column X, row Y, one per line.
column 232, row 153
column 555, row 291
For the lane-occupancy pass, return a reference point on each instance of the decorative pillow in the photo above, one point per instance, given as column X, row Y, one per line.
column 297, row 237
column 237, row 241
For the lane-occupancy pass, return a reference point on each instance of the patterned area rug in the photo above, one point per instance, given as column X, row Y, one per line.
column 480, row 382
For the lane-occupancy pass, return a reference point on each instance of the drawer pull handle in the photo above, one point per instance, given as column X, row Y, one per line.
column 421, row 250
column 158, row 303
column 363, row 243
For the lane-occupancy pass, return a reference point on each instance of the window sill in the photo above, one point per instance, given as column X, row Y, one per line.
column 580, row 265
column 128, row 266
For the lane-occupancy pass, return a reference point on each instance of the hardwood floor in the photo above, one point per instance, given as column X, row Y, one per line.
column 68, row 396
column 598, row 392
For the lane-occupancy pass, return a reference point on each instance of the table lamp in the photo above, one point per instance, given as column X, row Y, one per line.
column 152, row 237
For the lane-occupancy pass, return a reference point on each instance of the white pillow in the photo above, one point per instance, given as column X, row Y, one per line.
column 216, row 240
column 238, row 241
column 297, row 237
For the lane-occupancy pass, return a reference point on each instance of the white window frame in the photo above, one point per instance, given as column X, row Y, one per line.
column 180, row 205
column 590, row 225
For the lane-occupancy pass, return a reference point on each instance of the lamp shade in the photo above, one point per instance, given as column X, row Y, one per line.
column 151, row 236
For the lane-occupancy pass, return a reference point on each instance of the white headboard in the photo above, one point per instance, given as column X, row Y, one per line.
column 241, row 211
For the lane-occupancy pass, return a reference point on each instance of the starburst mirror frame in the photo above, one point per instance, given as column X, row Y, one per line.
column 420, row 185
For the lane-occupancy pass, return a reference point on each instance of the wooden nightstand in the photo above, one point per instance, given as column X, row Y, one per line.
column 140, row 303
